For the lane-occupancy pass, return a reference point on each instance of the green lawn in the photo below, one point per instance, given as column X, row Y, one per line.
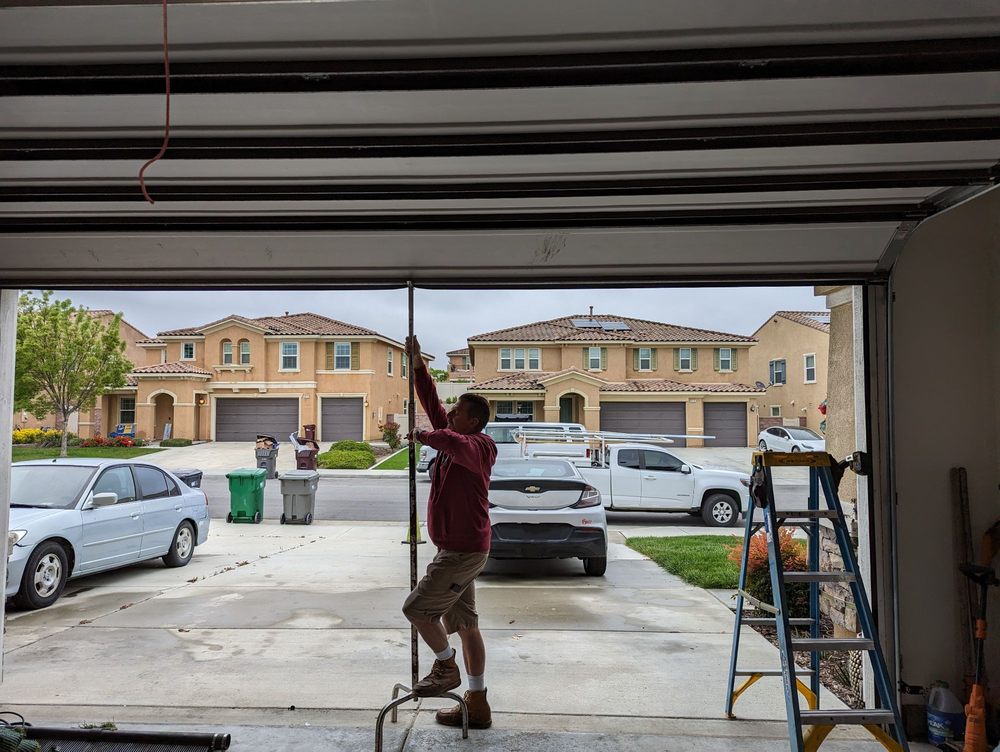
column 398, row 461
column 697, row 559
column 123, row 453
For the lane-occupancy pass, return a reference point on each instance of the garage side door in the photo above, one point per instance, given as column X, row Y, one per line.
column 645, row 417
column 243, row 419
column 343, row 418
column 727, row 421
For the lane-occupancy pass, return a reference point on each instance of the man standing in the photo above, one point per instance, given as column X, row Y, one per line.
column 458, row 523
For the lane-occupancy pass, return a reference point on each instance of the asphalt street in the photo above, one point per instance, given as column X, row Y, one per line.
column 375, row 499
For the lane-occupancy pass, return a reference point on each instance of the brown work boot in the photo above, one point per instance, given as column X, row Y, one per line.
column 479, row 712
column 444, row 676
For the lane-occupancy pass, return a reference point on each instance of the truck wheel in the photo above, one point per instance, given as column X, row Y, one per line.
column 719, row 510
column 595, row 566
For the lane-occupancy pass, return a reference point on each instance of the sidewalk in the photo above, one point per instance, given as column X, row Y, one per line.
column 269, row 617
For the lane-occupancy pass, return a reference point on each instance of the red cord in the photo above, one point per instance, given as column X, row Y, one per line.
column 166, row 127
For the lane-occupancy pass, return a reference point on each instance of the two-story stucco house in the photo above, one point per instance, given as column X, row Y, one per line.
column 460, row 365
column 792, row 357
column 615, row 373
column 236, row 377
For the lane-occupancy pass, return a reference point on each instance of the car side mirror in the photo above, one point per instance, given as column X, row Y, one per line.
column 686, row 469
column 103, row 499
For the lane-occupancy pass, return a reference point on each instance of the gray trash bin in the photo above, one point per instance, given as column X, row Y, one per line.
column 298, row 496
column 268, row 459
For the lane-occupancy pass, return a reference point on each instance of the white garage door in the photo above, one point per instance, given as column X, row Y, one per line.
column 343, row 418
column 243, row 419
column 727, row 422
column 645, row 417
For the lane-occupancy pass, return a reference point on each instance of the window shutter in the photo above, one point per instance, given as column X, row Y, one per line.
column 732, row 354
column 635, row 359
column 718, row 357
column 329, row 356
column 355, row 356
column 770, row 371
column 677, row 359
column 652, row 359
column 586, row 358
column 694, row 358
column 604, row 359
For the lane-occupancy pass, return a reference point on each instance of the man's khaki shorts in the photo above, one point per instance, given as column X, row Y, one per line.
column 448, row 591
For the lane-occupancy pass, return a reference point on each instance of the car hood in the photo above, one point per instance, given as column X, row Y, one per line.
column 25, row 518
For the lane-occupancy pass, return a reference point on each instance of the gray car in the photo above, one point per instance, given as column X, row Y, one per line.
column 72, row 517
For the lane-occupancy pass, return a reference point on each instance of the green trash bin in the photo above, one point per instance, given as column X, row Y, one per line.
column 246, row 494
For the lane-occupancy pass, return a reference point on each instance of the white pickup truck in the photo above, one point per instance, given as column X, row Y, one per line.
column 644, row 478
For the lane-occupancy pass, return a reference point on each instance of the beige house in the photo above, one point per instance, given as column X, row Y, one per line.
column 792, row 357
column 112, row 408
column 234, row 378
column 616, row 373
column 460, row 365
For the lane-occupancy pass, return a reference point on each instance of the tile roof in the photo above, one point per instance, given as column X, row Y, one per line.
column 640, row 330
column 295, row 323
column 531, row 381
column 815, row 319
column 462, row 351
column 150, row 341
column 175, row 367
column 131, row 380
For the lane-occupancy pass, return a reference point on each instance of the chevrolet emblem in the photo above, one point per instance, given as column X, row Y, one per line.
column 532, row 489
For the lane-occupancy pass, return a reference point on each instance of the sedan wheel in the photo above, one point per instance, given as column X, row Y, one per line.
column 595, row 566
column 182, row 548
column 44, row 576
column 762, row 445
column 719, row 510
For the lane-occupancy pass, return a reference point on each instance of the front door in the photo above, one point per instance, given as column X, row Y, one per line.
column 626, row 487
column 112, row 535
column 566, row 410
column 664, row 486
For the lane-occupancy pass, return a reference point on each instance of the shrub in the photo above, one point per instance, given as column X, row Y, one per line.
column 793, row 559
column 390, row 434
column 352, row 446
column 36, row 436
column 175, row 442
column 345, row 459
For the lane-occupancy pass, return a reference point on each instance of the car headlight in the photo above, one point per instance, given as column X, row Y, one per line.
column 13, row 538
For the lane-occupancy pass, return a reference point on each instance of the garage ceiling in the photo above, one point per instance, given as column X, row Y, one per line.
column 352, row 142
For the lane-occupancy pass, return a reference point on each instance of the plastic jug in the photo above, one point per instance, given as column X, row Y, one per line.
column 945, row 715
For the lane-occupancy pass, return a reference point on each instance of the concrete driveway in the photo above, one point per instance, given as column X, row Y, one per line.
column 219, row 457
column 268, row 618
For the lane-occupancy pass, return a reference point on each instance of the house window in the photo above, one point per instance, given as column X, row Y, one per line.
column 777, row 371
column 187, row 351
column 405, row 363
column 505, row 408
column 645, row 359
column 126, row 409
column 526, row 410
column 388, row 362
column 244, row 352
column 342, row 356
column 810, row 368
column 227, row 352
column 519, row 359
column 594, row 358
column 684, row 358
column 289, row 356
column 406, row 407
column 775, row 411
column 725, row 359
column 465, row 363
column 163, row 355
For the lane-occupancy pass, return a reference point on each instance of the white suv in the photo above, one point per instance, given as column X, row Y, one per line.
column 503, row 434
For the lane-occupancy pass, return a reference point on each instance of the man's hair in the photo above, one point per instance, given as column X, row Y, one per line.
column 479, row 408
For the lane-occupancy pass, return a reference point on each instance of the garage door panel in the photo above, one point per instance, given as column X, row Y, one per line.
column 343, row 418
column 645, row 417
column 243, row 419
column 727, row 422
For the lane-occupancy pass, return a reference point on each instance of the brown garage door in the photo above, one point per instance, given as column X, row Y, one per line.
column 343, row 418
column 243, row 419
column 645, row 417
column 727, row 422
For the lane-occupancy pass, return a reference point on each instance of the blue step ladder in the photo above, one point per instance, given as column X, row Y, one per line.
column 883, row 723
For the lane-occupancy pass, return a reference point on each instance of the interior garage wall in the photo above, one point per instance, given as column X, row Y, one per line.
column 946, row 379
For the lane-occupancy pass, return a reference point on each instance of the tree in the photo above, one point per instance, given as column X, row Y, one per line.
column 439, row 374
column 65, row 358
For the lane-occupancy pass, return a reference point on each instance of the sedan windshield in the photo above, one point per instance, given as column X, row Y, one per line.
column 803, row 434
column 51, row 486
column 534, row 469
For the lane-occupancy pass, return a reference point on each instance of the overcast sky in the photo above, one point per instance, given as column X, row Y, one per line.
column 443, row 319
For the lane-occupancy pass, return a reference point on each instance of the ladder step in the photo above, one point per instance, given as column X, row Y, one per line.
column 804, row 644
column 769, row 620
column 819, row 577
column 838, row 717
column 770, row 671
